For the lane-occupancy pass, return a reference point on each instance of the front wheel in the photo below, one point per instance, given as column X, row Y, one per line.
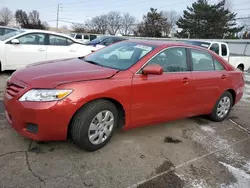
column 222, row 107
column 93, row 125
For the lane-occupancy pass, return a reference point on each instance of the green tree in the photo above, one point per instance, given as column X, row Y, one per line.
column 29, row 21
column 154, row 24
column 203, row 20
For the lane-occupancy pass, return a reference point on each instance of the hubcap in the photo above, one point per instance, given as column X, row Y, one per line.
column 223, row 107
column 101, row 127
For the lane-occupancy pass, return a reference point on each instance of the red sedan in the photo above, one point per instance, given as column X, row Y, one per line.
column 125, row 85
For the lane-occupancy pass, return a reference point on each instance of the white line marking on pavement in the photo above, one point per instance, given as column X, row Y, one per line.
column 186, row 163
column 247, row 77
column 244, row 129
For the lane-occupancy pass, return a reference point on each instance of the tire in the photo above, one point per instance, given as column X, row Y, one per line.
column 240, row 67
column 216, row 115
column 81, row 125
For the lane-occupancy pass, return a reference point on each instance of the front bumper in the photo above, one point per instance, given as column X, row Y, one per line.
column 51, row 118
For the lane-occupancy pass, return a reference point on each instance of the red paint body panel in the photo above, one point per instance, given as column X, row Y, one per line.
column 145, row 99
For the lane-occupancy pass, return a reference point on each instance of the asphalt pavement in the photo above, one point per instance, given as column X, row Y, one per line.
column 187, row 153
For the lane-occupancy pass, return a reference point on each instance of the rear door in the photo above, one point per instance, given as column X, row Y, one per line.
column 209, row 80
column 157, row 98
column 61, row 47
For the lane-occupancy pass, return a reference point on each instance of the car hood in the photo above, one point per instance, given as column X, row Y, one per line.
column 50, row 74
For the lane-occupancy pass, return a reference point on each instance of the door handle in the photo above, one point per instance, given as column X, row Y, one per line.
column 185, row 80
column 223, row 77
column 41, row 49
column 72, row 50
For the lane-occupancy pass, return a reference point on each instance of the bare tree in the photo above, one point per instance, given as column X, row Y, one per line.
column 79, row 28
column 97, row 24
column 34, row 17
column 114, row 22
column 172, row 17
column 246, row 23
column 46, row 25
column 128, row 22
column 6, row 15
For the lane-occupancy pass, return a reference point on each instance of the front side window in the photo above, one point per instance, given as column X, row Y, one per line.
column 32, row 39
column 57, row 40
column 202, row 61
column 120, row 56
column 216, row 48
column 78, row 36
column 172, row 60
column 224, row 50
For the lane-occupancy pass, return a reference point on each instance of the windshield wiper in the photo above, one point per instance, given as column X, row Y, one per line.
column 93, row 62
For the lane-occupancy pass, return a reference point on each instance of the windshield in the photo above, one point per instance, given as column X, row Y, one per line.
column 120, row 56
column 199, row 43
column 9, row 35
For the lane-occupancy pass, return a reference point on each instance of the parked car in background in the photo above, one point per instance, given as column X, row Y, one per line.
column 23, row 47
column 241, row 62
column 88, row 98
column 103, row 41
column 83, row 37
column 5, row 30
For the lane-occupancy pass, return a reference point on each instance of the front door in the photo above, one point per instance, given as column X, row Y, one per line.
column 157, row 98
column 31, row 49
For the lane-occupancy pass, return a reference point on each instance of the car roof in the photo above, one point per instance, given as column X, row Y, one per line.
column 206, row 41
column 44, row 31
column 155, row 42
column 161, row 43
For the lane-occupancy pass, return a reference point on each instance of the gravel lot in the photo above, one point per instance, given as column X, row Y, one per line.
column 193, row 152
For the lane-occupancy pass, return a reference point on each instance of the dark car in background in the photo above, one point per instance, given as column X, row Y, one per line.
column 105, row 40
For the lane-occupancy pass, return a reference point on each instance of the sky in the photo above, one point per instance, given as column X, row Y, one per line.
column 80, row 10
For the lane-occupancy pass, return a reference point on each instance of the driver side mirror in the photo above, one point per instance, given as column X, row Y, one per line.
column 152, row 69
column 15, row 41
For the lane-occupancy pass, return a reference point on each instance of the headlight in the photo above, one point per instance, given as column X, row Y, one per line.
column 45, row 95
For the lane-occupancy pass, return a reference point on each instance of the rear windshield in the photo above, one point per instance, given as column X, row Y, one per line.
column 11, row 34
column 199, row 43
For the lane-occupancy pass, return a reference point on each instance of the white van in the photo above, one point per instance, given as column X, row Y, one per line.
column 241, row 62
column 83, row 37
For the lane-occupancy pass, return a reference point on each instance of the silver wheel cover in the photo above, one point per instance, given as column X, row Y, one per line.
column 101, row 127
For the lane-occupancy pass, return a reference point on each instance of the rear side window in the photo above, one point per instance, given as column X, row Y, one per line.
column 202, row 61
column 216, row 48
column 86, row 37
column 218, row 65
column 57, row 40
column 224, row 50
column 69, row 42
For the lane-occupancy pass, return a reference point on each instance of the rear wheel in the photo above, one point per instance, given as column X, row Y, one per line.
column 93, row 125
column 222, row 107
column 241, row 67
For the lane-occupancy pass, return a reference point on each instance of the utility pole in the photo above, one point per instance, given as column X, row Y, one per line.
column 57, row 17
